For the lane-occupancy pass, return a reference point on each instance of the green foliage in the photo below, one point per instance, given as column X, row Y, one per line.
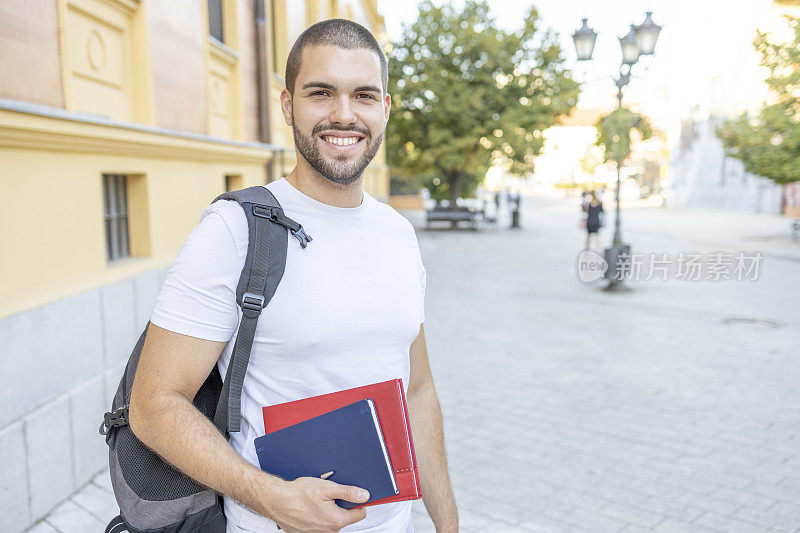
column 466, row 94
column 614, row 133
column 439, row 186
column 590, row 160
column 402, row 184
column 768, row 143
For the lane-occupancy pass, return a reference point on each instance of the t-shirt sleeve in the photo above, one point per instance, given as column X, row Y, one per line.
column 198, row 297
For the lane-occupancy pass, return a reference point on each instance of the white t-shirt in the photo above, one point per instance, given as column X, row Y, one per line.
column 344, row 315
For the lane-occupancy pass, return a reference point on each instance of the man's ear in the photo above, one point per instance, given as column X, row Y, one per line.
column 387, row 105
column 286, row 106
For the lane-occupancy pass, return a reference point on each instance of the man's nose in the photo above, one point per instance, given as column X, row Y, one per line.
column 342, row 112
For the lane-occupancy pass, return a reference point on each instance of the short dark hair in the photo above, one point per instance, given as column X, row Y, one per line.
column 333, row 32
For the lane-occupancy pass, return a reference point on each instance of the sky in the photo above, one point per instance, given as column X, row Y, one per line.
column 704, row 46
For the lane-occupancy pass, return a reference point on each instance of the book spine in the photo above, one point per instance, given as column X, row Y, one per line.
column 410, row 438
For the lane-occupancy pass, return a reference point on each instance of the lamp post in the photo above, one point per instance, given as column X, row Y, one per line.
column 639, row 41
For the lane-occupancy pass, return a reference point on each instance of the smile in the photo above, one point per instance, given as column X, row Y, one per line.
column 341, row 141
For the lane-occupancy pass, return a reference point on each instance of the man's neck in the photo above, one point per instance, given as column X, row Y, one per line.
column 314, row 185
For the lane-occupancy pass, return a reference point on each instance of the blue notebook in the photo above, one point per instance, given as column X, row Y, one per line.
column 347, row 441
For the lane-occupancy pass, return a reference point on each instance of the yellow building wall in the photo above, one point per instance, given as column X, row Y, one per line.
column 224, row 76
column 105, row 62
column 52, row 229
column 112, row 59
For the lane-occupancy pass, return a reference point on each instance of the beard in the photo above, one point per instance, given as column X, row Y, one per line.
column 338, row 169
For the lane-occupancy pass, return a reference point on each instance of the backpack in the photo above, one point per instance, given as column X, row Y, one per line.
column 154, row 497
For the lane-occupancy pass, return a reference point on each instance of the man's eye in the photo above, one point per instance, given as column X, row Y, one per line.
column 317, row 93
column 366, row 95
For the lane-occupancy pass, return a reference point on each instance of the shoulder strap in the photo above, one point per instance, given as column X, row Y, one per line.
column 263, row 269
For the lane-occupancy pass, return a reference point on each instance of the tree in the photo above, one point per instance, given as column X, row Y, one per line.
column 768, row 143
column 466, row 94
column 591, row 160
column 614, row 133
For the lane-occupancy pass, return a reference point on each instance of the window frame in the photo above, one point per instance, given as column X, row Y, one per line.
column 216, row 19
column 116, row 216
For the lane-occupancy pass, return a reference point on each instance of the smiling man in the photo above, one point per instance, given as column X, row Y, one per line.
column 348, row 311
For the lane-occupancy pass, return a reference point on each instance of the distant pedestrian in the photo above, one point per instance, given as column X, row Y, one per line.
column 594, row 215
column 584, row 202
column 513, row 204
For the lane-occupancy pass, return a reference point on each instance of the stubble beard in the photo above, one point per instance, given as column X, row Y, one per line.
column 336, row 170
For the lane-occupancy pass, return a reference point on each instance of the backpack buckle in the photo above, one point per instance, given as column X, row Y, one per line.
column 302, row 236
column 253, row 302
column 265, row 211
column 276, row 216
column 114, row 419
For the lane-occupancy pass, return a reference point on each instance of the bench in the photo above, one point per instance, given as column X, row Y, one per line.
column 453, row 216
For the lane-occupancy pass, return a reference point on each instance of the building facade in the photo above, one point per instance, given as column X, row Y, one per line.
column 120, row 120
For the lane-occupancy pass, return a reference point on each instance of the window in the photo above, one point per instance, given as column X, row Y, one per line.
column 115, row 212
column 233, row 182
column 215, row 20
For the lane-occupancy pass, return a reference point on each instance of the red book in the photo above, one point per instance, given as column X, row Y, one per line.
column 390, row 403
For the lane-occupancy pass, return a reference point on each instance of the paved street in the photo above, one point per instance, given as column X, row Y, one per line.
column 572, row 409
column 666, row 408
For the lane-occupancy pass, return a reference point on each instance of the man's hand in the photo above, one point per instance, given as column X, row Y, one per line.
column 307, row 505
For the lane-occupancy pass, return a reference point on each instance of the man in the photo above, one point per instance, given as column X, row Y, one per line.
column 348, row 311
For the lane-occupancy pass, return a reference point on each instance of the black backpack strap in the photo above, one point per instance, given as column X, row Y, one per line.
column 263, row 269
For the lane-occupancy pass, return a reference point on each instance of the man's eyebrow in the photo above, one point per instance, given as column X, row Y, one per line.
column 318, row 84
column 323, row 85
column 367, row 88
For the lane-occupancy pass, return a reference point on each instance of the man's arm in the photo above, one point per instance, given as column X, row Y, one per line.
column 171, row 369
column 426, row 427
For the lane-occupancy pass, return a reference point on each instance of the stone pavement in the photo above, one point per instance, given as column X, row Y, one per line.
column 88, row 511
column 572, row 409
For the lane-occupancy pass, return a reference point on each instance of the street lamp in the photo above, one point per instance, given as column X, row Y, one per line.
column 647, row 34
column 630, row 47
column 640, row 40
column 584, row 39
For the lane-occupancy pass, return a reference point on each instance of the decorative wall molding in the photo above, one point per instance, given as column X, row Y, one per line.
column 126, row 7
column 33, row 127
column 222, row 52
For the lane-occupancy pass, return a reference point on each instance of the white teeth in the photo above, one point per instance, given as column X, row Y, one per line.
column 342, row 141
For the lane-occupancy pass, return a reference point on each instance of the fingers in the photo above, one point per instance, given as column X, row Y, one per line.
column 351, row 494
column 351, row 516
column 348, row 493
